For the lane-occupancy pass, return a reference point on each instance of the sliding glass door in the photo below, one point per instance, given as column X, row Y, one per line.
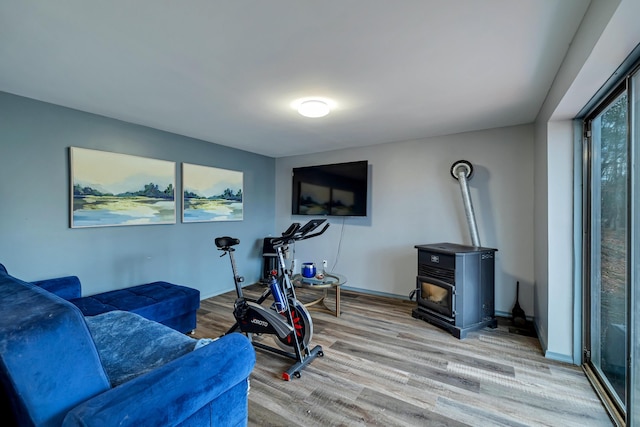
column 607, row 136
column 612, row 248
column 633, row 409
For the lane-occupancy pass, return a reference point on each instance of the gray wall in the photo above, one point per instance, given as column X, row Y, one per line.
column 36, row 241
column 414, row 200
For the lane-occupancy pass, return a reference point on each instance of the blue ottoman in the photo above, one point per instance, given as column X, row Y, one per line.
column 172, row 305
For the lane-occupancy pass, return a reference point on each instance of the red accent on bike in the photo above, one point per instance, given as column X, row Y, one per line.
column 297, row 325
column 286, row 376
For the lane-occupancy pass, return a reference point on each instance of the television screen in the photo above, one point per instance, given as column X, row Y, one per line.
column 338, row 189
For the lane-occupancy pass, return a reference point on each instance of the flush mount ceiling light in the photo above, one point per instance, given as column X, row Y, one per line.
column 313, row 108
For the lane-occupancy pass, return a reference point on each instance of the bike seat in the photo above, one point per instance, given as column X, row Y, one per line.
column 226, row 242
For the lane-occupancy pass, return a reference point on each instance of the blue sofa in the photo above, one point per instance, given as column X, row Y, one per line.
column 60, row 368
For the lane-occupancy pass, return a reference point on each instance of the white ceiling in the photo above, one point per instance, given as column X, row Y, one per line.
column 227, row 71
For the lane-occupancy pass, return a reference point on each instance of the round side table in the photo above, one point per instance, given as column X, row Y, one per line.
column 330, row 280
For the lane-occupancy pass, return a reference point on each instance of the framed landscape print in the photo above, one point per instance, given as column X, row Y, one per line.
column 111, row 189
column 211, row 194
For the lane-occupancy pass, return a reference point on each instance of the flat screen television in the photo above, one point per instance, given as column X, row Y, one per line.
column 338, row 189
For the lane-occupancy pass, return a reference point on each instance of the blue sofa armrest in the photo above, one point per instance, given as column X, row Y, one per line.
column 210, row 383
column 65, row 287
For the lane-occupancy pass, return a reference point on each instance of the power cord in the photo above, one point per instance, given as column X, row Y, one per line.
column 335, row 262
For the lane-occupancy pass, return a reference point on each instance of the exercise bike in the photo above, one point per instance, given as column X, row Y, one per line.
column 287, row 318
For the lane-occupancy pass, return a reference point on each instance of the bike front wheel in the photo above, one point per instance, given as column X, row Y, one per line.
column 303, row 327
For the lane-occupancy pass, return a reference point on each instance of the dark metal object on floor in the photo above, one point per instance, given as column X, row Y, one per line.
column 518, row 316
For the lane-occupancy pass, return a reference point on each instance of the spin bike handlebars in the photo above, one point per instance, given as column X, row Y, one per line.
column 295, row 232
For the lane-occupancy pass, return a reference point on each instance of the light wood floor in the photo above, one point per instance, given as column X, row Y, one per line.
column 383, row 367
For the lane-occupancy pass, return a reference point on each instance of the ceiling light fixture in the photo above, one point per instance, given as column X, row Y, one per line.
column 313, row 108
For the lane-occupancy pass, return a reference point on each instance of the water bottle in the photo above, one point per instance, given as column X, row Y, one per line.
column 279, row 301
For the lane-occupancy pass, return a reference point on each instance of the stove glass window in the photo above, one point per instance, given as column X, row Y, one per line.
column 436, row 297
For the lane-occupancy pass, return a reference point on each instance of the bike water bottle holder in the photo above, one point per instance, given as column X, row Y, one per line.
column 279, row 301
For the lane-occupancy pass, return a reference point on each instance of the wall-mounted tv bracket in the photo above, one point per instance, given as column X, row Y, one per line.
column 462, row 170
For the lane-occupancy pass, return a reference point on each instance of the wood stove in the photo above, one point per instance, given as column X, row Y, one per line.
column 455, row 287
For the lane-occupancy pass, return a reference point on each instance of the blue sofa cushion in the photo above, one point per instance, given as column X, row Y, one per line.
column 130, row 345
column 163, row 302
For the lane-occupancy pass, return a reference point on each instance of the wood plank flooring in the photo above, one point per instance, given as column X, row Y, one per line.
column 382, row 367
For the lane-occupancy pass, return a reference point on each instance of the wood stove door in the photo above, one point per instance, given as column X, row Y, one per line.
column 437, row 296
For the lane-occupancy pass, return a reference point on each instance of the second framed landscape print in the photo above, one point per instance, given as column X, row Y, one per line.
column 211, row 194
